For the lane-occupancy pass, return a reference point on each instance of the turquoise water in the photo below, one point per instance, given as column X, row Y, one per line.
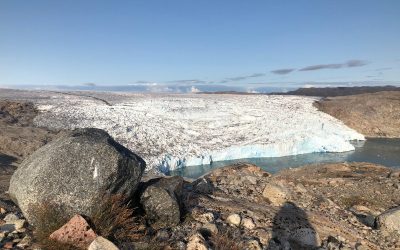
column 380, row 151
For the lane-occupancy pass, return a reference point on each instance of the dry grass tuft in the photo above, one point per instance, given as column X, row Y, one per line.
column 112, row 219
column 116, row 220
column 226, row 240
column 49, row 218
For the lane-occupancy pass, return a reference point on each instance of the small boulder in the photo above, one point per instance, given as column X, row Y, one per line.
column 101, row 243
column 248, row 223
column 73, row 172
column 161, row 202
column 233, row 220
column 196, row 242
column 389, row 221
column 76, row 232
column 277, row 195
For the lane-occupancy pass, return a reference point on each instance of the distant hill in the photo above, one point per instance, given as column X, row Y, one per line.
column 338, row 91
column 372, row 114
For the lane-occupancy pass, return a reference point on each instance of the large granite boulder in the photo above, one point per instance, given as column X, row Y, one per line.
column 74, row 172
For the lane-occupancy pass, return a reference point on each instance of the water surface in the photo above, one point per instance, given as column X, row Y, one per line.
column 380, row 151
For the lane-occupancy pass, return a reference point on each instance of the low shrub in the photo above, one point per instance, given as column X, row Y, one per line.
column 226, row 239
column 116, row 220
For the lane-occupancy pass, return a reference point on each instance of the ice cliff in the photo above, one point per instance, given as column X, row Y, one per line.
column 172, row 131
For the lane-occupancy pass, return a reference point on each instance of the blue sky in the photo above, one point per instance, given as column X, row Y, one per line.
column 233, row 43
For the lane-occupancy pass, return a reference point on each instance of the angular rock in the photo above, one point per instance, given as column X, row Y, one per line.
column 25, row 242
column 364, row 215
column 19, row 224
column 74, row 171
column 248, row 223
column 389, row 221
column 161, row 202
column 76, row 232
column 203, row 186
column 6, row 228
column 174, row 185
column 10, row 218
column 101, row 243
column 209, row 228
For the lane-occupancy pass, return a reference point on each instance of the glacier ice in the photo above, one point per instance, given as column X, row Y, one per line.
column 175, row 130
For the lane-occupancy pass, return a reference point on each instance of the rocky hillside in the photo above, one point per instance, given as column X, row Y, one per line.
column 18, row 136
column 373, row 115
column 340, row 91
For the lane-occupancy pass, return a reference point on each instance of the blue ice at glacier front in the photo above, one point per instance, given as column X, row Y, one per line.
column 298, row 145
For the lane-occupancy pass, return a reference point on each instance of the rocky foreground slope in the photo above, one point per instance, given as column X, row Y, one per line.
column 328, row 206
column 373, row 115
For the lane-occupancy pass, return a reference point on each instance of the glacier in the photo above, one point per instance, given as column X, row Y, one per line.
column 172, row 131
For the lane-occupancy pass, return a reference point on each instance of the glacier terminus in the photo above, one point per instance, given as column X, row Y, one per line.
column 172, row 131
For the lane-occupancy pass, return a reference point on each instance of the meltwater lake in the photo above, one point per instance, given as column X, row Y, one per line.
column 380, row 151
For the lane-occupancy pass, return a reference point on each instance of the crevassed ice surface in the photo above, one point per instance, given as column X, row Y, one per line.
column 172, row 131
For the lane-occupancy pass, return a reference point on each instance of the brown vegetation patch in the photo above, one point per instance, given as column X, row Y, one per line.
column 226, row 240
column 117, row 221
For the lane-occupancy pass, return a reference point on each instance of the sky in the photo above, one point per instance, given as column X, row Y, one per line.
column 235, row 44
